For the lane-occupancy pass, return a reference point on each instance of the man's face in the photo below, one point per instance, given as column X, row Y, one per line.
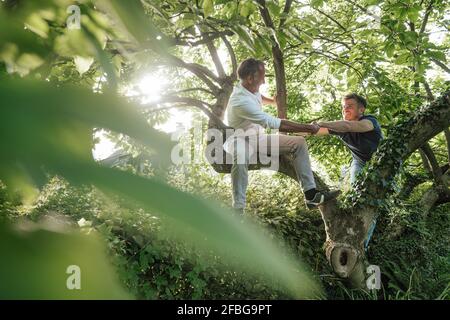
column 257, row 80
column 351, row 111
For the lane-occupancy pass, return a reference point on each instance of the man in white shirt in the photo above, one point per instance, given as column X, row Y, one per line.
column 245, row 115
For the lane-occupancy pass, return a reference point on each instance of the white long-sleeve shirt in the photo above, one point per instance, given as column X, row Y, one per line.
column 244, row 113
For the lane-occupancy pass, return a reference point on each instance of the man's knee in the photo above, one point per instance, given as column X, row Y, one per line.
column 299, row 143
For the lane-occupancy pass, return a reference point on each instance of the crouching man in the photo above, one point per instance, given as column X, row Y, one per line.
column 245, row 114
column 360, row 133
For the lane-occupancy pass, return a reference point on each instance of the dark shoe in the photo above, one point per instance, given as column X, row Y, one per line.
column 321, row 197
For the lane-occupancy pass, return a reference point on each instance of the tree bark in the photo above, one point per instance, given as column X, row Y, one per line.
column 447, row 138
column 278, row 59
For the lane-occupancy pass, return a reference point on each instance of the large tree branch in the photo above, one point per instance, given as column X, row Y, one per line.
column 430, row 95
column 434, row 165
column 203, row 106
column 265, row 14
column 407, row 137
column 285, row 13
column 447, row 138
column 232, row 57
column 200, row 71
column 216, row 60
column 215, row 57
column 425, row 17
column 440, row 64
column 278, row 61
column 425, row 162
column 230, row 50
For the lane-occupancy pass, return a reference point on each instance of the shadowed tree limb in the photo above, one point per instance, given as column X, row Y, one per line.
column 440, row 64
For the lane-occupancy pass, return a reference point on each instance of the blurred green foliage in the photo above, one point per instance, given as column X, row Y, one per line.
column 155, row 224
column 36, row 265
column 47, row 128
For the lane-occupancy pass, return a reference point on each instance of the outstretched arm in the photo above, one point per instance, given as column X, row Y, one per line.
column 291, row 126
column 322, row 132
column 347, row 126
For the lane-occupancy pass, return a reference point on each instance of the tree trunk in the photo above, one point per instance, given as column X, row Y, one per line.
column 278, row 59
column 280, row 76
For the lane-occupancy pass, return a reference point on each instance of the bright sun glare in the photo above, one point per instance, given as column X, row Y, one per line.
column 148, row 89
column 150, row 86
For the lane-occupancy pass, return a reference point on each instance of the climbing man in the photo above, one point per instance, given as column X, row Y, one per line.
column 360, row 133
column 245, row 115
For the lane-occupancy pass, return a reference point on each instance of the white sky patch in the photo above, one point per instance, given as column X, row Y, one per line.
column 435, row 73
column 264, row 90
column 104, row 148
column 222, row 52
column 177, row 118
column 148, row 88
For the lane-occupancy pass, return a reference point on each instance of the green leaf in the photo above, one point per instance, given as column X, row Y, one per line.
column 35, row 265
column 208, row 7
column 389, row 49
column 37, row 24
column 413, row 13
column 438, row 55
column 246, row 9
column 316, row 3
column 402, row 58
column 132, row 16
column 47, row 127
column 245, row 36
column 274, row 9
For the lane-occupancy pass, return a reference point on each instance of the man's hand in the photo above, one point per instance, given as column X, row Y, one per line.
column 266, row 100
column 315, row 128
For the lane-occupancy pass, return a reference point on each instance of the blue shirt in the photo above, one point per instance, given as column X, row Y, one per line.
column 362, row 145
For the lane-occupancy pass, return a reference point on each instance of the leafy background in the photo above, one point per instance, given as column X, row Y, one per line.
column 139, row 228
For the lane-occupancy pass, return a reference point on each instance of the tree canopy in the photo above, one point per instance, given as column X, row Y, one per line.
column 74, row 72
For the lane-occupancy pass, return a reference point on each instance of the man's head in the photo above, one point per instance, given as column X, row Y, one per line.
column 252, row 74
column 353, row 106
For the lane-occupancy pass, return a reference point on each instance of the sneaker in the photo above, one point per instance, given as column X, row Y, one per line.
column 321, row 197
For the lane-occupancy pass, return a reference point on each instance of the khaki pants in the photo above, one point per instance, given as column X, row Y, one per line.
column 282, row 144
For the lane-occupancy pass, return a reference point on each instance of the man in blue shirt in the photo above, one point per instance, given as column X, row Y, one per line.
column 360, row 133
